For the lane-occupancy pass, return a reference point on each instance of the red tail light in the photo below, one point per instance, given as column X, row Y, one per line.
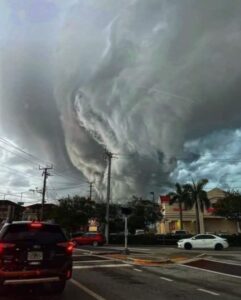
column 69, row 246
column 69, row 274
column 36, row 225
column 4, row 246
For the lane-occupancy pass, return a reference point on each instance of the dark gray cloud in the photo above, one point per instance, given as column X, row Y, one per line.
column 141, row 78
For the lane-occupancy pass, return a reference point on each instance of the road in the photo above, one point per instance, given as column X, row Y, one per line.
column 99, row 277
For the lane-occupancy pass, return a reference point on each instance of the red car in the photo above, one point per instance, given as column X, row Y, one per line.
column 89, row 238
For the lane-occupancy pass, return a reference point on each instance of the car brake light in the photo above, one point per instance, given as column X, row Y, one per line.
column 69, row 246
column 68, row 274
column 36, row 225
column 5, row 246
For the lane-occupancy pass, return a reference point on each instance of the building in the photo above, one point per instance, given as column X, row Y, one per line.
column 33, row 212
column 10, row 210
column 208, row 222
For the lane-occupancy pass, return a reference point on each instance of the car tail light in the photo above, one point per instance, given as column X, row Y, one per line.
column 4, row 246
column 68, row 274
column 69, row 246
column 36, row 225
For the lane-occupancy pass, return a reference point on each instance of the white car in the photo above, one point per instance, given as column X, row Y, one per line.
column 209, row 241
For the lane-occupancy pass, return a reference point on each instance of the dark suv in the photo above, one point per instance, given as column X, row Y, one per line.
column 35, row 253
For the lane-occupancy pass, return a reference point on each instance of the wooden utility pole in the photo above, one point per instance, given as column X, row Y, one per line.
column 45, row 174
column 109, row 156
column 91, row 187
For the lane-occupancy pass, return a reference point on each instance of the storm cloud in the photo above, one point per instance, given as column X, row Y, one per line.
column 144, row 79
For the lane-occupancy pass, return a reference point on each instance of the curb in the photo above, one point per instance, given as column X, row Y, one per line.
column 150, row 262
column 140, row 261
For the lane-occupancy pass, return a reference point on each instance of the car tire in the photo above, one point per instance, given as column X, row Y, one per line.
column 58, row 287
column 188, row 246
column 95, row 244
column 218, row 247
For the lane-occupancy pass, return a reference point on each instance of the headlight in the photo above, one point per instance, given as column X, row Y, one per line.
column 181, row 241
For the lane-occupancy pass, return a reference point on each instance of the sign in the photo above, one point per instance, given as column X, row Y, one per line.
column 164, row 199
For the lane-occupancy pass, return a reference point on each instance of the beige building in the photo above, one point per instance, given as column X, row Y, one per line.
column 208, row 222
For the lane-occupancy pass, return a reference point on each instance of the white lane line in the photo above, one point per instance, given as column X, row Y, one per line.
column 208, row 292
column 224, row 262
column 102, row 266
column 210, row 271
column 96, row 255
column 137, row 270
column 165, row 278
column 86, row 290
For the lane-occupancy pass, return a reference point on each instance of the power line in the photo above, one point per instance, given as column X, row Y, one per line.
column 23, row 151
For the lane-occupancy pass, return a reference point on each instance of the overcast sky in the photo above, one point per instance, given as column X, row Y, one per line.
column 156, row 82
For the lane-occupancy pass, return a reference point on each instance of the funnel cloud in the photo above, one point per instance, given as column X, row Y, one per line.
column 155, row 82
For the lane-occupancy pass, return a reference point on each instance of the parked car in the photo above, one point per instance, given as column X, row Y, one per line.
column 35, row 253
column 180, row 232
column 139, row 232
column 89, row 238
column 209, row 241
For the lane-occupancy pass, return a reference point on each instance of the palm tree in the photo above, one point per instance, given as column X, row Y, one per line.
column 199, row 198
column 182, row 197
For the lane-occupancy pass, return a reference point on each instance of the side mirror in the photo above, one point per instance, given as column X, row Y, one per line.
column 193, row 238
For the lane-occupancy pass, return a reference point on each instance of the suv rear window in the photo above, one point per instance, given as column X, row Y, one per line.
column 48, row 234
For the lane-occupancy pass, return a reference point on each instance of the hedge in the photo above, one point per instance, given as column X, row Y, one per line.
column 164, row 239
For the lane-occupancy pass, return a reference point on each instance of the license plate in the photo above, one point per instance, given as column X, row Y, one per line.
column 35, row 255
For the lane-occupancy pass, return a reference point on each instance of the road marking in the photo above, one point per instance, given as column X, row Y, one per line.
column 165, row 278
column 86, row 290
column 137, row 270
column 92, row 261
column 208, row 292
column 224, row 262
column 102, row 266
column 134, row 249
column 210, row 271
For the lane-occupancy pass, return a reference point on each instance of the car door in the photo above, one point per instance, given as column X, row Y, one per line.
column 199, row 241
column 83, row 240
column 210, row 241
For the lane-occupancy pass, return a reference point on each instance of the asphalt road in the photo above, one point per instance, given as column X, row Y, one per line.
column 98, row 277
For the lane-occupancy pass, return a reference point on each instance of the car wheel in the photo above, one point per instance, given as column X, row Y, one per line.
column 58, row 287
column 218, row 247
column 188, row 246
column 95, row 243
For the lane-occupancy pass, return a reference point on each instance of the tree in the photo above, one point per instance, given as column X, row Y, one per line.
column 116, row 223
column 144, row 214
column 198, row 198
column 229, row 207
column 182, row 197
column 72, row 213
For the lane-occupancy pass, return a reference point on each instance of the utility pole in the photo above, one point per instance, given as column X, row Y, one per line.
column 109, row 156
column 45, row 174
column 91, row 186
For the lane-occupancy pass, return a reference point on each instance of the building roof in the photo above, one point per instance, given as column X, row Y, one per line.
column 39, row 205
column 8, row 202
